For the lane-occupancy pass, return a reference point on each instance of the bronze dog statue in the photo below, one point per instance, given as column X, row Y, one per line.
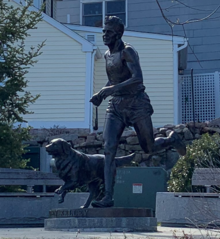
column 77, row 169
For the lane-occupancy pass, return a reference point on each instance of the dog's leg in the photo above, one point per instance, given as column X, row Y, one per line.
column 70, row 185
column 93, row 192
column 62, row 196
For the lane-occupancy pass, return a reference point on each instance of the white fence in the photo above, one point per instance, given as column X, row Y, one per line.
column 206, row 97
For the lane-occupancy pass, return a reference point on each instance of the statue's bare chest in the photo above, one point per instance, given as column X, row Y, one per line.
column 116, row 68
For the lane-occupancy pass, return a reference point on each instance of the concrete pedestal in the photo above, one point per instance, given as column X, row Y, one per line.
column 102, row 220
column 23, row 209
column 194, row 209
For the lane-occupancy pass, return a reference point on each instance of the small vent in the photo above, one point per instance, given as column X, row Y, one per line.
column 91, row 38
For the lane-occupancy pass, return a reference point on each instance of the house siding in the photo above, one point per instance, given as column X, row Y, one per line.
column 156, row 59
column 71, row 7
column 59, row 77
column 144, row 15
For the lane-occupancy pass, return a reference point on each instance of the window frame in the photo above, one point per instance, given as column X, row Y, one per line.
column 103, row 9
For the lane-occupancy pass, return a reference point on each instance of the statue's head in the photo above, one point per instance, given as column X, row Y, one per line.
column 113, row 29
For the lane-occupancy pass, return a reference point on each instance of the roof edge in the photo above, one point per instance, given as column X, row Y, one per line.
column 86, row 45
column 176, row 39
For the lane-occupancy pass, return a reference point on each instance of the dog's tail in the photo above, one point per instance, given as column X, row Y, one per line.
column 124, row 160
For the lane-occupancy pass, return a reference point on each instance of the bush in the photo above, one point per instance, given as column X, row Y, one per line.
column 203, row 153
column 12, row 147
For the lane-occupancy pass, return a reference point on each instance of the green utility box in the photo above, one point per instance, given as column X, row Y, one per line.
column 136, row 187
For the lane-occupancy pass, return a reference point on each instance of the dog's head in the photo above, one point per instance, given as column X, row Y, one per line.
column 58, row 147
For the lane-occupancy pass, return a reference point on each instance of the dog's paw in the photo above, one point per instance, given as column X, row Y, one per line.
column 58, row 191
column 84, row 206
column 60, row 200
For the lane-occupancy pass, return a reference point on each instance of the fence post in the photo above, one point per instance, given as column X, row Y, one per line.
column 217, row 94
column 180, row 113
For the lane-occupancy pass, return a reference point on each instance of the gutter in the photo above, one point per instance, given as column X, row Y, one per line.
column 176, row 49
column 91, row 88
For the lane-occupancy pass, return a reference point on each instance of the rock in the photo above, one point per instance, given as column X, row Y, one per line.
column 155, row 161
column 159, row 135
column 99, row 137
column 168, row 132
column 78, row 141
column 31, row 143
column 156, row 131
column 101, row 151
column 132, row 140
column 172, row 158
column 128, row 133
column 179, row 128
column 187, row 134
column 188, row 142
column 120, row 152
column 90, row 139
column 169, row 126
column 97, row 143
column 73, row 131
column 146, row 157
column 162, row 131
column 197, row 136
column 131, row 147
column 121, row 146
column 83, row 132
column 39, row 136
column 122, row 140
column 142, row 164
column 91, row 151
column 67, row 137
column 138, row 158
column 212, row 129
column 214, row 123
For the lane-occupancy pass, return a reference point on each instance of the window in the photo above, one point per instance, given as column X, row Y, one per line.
column 50, row 6
column 93, row 13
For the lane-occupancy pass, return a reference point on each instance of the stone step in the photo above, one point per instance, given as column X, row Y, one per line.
column 103, row 224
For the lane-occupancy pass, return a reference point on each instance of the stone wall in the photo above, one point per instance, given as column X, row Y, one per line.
column 92, row 143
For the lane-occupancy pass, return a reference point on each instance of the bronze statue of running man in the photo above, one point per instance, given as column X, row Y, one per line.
column 129, row 105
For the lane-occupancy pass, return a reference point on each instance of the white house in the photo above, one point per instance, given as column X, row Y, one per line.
column 72, row 68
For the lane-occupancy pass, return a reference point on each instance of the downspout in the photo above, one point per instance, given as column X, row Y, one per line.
column 91, row 87
column 176, row 49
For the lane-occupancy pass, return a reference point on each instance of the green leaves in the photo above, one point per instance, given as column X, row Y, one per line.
column 14, row 26
column 15, row 23
column 11, row 146
column 203, row 153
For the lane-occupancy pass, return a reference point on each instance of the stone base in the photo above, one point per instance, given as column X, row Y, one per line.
column 102, row 220
column 183, row 209
column 30, row 209
column 101, row 224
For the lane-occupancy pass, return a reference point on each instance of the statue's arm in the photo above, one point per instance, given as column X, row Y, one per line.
column 97, row 98
column 132, row 61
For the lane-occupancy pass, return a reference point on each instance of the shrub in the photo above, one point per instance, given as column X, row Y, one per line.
column 202, row 153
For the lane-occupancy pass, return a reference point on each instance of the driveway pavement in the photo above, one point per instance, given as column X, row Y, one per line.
column 162, row 233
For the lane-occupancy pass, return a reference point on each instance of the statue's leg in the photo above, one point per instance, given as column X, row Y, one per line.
column 145, row 134
column 144, row 130
column 112, row 132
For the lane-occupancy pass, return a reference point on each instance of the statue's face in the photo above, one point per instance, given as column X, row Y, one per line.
column 110, row 36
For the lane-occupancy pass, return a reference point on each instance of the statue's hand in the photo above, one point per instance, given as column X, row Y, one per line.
column 106, row 91
column 96, row 99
